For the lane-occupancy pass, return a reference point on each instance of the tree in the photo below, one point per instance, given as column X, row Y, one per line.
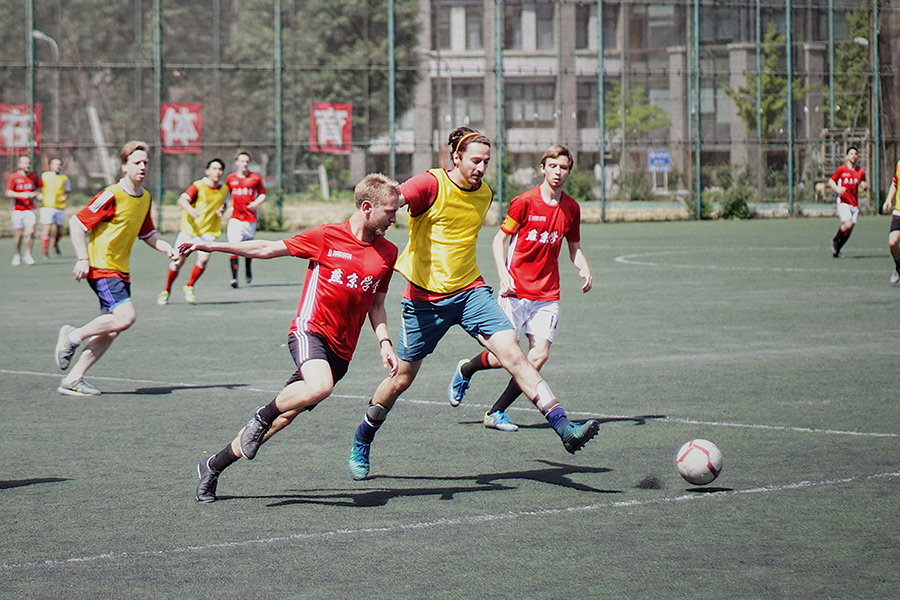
column 641, row 117
column 853, row 63
column 773, row 90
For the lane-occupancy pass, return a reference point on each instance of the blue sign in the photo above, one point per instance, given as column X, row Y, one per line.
column 659, row 161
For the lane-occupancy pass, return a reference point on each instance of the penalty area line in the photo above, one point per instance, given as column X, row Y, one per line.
column 458, row 522
column 405, row 400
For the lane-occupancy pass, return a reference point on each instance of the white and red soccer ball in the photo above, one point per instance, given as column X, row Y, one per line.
column 699, row 462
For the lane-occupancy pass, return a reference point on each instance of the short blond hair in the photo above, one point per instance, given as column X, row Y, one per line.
column 131, row 147
column 376, row 188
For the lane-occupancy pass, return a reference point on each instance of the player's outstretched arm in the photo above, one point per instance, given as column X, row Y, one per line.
column 378, row 319
column 160, row 245
column 581, row 263
column 889, row 200
column 262, row 249
column 79, row 242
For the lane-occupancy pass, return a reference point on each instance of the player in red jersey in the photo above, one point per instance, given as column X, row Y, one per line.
column 350, row 267
column 247, row 193
column 22, row 188
column 848, row 180
column 537, row 222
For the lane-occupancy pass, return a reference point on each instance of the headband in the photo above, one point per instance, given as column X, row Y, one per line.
column 468, row 135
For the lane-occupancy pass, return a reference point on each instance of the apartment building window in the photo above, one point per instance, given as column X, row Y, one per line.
column 586, row 104
column 530, row 104
column 440, row 30
column 474, row 26
column 586, row 26
column 528, row 26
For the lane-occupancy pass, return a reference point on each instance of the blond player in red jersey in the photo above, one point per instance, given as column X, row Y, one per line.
column 247, row 193
column 537, row 222
column 23, row 189
column 203, row 204
column 116, row 218
column 350, row 267
column 848, row 180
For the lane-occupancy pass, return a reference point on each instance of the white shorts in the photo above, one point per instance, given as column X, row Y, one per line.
column 22, row 219
column 240, row 231
column 53, row 216
column 845, row 212
column 186, row 238
column 538, row 318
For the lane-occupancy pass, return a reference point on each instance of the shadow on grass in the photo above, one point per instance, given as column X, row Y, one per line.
column 553, row 473
column 168, row 389
column 14, row 483
column 226, row 302
column 708, row 490
column 636, row 420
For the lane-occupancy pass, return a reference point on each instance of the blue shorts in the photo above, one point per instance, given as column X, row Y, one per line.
column 423, row 324
column 112, row 291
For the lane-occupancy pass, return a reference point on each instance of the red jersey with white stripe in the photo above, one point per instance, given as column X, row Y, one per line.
column 28, row 182
column 343, row 277
column 244, row 190
column 537, row 229
column 849, row 178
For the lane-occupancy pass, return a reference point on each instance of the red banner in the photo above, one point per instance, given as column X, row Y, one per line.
column 14, row 129
column 181, row 125
column 330, row 127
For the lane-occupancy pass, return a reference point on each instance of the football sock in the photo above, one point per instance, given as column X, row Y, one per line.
column 57, row 238
column 478, row 363
column 225, row 457
column 170, row 278
column 269, row 412
column 550, row 408
column 840, row 239
column 897, row 264
column 233, row 260
column 508, row 396
column 248, row 272
column 195, row 274
column 45, row 239
column 374, row 419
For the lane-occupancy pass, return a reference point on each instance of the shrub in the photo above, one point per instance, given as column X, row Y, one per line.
column 580, row 185
column 706, row 204
column 734, row 203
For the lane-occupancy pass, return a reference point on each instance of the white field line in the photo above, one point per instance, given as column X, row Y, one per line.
column 473, row 520
column 640, row 259
column 480, row 407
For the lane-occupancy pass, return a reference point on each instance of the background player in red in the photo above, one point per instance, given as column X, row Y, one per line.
column 247, row 193
column 116, row 218
column 22, row 188
column 350, row 267
column 848, row 180
column 537, row 222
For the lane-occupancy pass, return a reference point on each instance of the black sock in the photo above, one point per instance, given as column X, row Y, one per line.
column 478, row 363
column 897, row 264
column 225, row 457
column 234, row 266
column 508, row 396
column 269, row 412
column 840, row 239
column 248, row 272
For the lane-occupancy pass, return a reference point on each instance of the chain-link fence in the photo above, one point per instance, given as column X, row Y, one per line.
column 695, row 95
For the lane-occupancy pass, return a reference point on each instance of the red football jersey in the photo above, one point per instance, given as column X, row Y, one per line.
column 849, row 179
column 343, row 277
column 23, row 183
column 537, row 231
column 244, row 190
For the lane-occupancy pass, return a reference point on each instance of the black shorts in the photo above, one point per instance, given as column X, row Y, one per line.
column 307, row 346
column 895, row 223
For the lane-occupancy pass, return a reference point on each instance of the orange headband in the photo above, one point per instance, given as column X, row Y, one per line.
column 468, row 135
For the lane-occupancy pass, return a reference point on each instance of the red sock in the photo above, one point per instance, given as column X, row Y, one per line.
column 173, row 273
column 46, row 241
column 195, row 274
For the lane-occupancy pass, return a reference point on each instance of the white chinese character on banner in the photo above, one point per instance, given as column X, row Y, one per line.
column 15, row 130
column 179, row 128
column 330, row 125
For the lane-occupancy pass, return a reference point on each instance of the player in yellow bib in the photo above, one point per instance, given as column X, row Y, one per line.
column 446, row 212
column 204, row 204
column 892, row 203
column 56, row 188
column 115, row 218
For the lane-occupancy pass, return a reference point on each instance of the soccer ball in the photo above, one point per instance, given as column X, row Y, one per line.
column 699, row 462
